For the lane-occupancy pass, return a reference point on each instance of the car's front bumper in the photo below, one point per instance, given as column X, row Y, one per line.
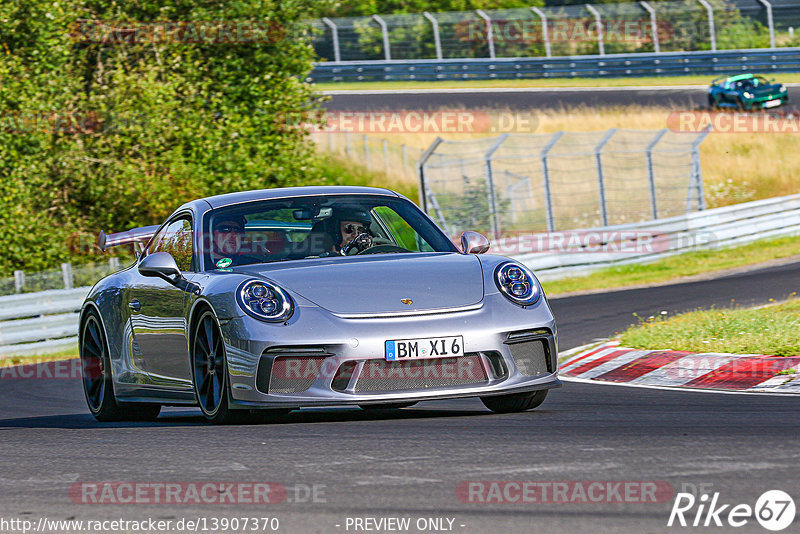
column 507, row 349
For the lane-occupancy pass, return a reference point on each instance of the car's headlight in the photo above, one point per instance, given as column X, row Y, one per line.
column 783, row 88
column 264, row 301
column 747, row 95
column 517, row 283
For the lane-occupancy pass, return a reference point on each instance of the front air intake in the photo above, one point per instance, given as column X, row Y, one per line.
column 530, row 357
column 290, row 369
column 380, row 375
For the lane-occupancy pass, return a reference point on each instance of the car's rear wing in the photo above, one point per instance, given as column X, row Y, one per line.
column 138, row 236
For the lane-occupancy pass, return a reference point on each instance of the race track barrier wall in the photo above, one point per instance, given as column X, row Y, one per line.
column 718, row 62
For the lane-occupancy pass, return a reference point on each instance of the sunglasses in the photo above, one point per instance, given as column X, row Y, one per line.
column 228, row 228
column 350, row 228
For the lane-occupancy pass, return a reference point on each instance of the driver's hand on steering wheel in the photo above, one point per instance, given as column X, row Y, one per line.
column 358, row 244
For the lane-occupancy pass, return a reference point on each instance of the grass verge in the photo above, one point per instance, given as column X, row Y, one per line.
column 683, row 265
column 768, row 330
column 67, row 354
column 536, row 83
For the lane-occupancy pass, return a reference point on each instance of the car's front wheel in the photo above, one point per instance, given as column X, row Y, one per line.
column 209, row 371
column 96, row 378
column 516, row 402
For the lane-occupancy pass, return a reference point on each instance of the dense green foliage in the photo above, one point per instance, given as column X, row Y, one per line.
column 102, row 132
column 355, row 8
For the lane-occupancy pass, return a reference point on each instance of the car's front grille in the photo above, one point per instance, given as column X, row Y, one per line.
column 381, row 375
column 530, row 357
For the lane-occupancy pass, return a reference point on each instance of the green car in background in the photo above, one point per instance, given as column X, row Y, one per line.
column 746, row 92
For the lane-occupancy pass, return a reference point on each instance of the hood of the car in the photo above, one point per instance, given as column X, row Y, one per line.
column 767, row 90
column 382, row 284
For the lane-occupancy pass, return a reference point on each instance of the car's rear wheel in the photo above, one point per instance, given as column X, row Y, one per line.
column 516, row 402
column 386, row 406
column 96, row 377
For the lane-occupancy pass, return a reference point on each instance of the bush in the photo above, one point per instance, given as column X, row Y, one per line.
column 111, row 134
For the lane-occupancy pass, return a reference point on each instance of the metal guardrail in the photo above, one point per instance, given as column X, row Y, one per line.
column 47, row 321
column 596, row 66
column 714, row 228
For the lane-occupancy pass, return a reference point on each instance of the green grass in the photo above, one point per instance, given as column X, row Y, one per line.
column 67, row 354
column 687, row 264
column 535, row 83
column 769, row 330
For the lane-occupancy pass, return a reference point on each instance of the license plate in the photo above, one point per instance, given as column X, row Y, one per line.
column 429, row 347
column 772, row 103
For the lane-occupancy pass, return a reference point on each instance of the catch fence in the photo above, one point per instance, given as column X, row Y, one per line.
column 653, row 26
column 561, row 181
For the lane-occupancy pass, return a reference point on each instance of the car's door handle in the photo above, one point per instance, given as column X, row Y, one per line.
column 135, row 305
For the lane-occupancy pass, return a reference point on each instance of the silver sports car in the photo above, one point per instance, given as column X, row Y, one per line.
column 253, row 303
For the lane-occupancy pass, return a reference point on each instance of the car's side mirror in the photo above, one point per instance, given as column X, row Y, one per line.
column 162, row 265
column 474, row 243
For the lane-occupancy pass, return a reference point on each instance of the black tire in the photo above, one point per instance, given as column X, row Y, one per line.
column 516, row 402
column 712, row 102
column 210, row 373
column 98, row 386
column 386, row 406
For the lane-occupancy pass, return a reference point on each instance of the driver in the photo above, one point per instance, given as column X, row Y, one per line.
column 227, row 237
column 351, row 231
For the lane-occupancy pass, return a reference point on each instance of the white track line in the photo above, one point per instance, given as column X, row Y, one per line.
column 676, row 388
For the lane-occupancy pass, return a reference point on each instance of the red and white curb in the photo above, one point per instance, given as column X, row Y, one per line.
column 609, row 362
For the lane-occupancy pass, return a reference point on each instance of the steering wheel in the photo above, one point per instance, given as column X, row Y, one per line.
column 383, row 249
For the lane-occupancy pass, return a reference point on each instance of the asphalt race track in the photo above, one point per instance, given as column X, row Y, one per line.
column 689, row 97
column 409, row 463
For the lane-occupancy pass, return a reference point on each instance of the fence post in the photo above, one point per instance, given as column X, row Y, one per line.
column 548, row 197
column 770, row 22
column 651, row 171
column 366, row 151
column 489, row 31
column 66, row 274
column 545, row 31
column 711, row 30
column 337, row 56
column 697, row 170
column 387, row 54
column 423, row 185
column 19, row 281
column 599, row 22
column 385, row 157
column 492, row 197
column 598, row 151
column 330, row 141
column 347, row 144
column 437, row 41
column 653, row 25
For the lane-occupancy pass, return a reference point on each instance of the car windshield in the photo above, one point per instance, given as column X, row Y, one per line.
column 317, row 227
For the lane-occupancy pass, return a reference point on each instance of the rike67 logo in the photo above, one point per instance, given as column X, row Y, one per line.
column 774, row 510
